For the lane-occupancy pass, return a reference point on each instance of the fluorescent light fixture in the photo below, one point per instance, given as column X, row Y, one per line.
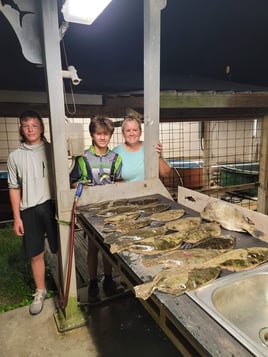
column 83, row 11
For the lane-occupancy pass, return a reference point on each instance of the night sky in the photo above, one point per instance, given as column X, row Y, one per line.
column 200, row 38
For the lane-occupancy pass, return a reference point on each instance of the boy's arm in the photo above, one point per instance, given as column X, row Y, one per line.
column 15, row 198
column 75, row 174
column 118, row 169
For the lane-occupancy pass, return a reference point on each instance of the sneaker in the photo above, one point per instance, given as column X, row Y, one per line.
column 93, row 294
column 38, row 301
column 111, row 288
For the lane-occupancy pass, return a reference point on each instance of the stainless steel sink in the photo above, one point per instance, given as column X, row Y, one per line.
column 239, row 302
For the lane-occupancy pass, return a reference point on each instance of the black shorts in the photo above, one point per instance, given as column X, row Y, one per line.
column 39, row 223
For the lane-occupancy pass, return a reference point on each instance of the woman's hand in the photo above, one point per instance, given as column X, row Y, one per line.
column 164, row 168
column 159, row 149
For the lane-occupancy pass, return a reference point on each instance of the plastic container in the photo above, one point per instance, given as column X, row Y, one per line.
column 186, row 173
column 240, row 173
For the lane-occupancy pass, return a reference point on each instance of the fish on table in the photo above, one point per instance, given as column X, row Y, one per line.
column 167, row 216
column 166, row 241
column 176, row 281
column 122, row 217
column 149, row 209
column 113, row 211
column 229, row 217
column 216, row 243
column 144, row 201
column 154, row 208
column 201, row 232
column 183, row 224
column 105, row 205
column 191, row 258
column 240, row 259
column 153, row 245
column 98, row 206
column 125, row 226
column 133, row 236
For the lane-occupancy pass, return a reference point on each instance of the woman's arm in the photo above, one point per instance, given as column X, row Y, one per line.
column 164, row 168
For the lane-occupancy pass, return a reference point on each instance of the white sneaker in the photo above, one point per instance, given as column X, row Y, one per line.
column 38, row 302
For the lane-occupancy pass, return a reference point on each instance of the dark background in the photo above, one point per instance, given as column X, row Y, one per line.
column 199, row 39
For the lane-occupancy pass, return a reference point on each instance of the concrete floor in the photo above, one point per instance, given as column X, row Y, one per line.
column 23, row 335
column 121, row 327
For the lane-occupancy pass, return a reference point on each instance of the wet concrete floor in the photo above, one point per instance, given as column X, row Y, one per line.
column 121, row 327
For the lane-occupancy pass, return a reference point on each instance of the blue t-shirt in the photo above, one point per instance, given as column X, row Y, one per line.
column 132, row 163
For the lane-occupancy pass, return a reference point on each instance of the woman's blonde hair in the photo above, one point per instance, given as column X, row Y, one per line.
column 131, row 118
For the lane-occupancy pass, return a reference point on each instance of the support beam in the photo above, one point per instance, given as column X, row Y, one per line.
column 263, row 177
column 152, row 31
column 52, row 60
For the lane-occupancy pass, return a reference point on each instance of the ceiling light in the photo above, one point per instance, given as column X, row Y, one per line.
column 83, row 11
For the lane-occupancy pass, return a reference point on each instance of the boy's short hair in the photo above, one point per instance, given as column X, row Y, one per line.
column 27, row 114
column 99, row 122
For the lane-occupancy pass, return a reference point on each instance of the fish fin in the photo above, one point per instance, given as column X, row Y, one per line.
column 147, row 262
column 116, row 248
column 144, row 291
column 256, row 233
column 249, row 221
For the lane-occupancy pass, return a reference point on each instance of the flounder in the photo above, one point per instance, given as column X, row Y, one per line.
column 144, row 201
column 124, row 227
column 184, row 223
column 148, row 209
column 229, row 217
column 191, row 258
column 176, row 281
column 102, row 205
column 93, row 207
column 166, row 216
column 122, row 218
column 216, row 243
column 133, row 236
column 154, row 208
column 112, row 211
column 152, row 245
column 240, row 259
column 203, row 231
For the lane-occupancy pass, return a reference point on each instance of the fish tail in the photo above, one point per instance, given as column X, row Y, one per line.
column 144, row 291
column 116, row 248
column 147, row 262
column 256, row 233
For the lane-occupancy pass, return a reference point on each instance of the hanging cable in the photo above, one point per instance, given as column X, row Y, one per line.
column 71, row 86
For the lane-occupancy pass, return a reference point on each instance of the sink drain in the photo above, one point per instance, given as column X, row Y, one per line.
column 263, row 335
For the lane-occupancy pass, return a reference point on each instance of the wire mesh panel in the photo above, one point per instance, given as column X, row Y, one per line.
column 219, row 157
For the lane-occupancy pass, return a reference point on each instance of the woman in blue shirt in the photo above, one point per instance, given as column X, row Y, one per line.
column 132, row 152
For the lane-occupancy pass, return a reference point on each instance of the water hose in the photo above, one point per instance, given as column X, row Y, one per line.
column 65, row 297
